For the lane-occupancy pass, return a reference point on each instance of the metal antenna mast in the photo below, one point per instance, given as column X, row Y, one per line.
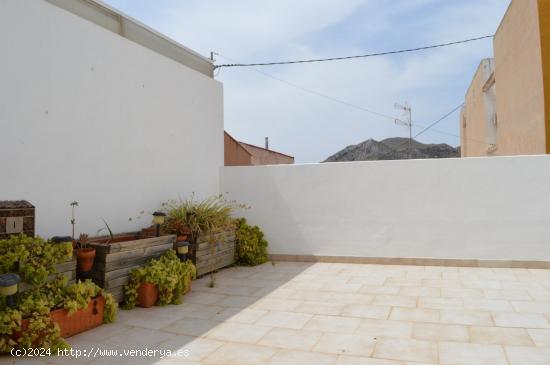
column 407, row 114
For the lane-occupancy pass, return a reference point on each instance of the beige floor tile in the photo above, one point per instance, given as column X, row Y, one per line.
column 462, row 293
column 420, row 291
column 234, row 353
column 368, row 280
column 528, row 355
column 406, row 281
column 291, row 357
column 524, row 320
column 312, row 295
column 415, row 314
column 204, row 298
column 280, row 293
column 351, row 298
column 457, row 353
column 336, row 324
column 406, row 350
column 395, row 301
column 441, row 283
column 238, row 332
column 192, row 310
column 342, row 287
column 540, row 337
column 192, row 327
column 366, row 311
column 481, row 284
column 338, row 343
column 290, row 339
column 440, row 332
column 440, row 303
column 237, row 301
column 384, row 328
column 532, row 307
column 355, row 360
column 190, row 348
column 320, row 308
column 466, row 317
column 239, row 315
column 507, row 294
column 500, row 336
column 540, row 294
column 138, row 337
column 276, row 304
column 380, row 289
column 284, row 319
column 488, row 305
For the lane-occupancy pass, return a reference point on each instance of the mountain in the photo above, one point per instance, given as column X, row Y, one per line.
column 393, row 149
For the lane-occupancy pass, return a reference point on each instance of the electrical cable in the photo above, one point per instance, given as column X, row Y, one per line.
column 353, row 57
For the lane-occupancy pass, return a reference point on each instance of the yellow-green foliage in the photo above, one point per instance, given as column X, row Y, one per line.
column 192, row 216
column 32, row 258
column 251, row 246
column 168, row 274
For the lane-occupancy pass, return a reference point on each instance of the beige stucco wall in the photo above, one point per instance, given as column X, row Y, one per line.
column 519, row 81
column 472, row 120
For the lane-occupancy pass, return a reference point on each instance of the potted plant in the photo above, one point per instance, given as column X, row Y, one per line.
column 84, row 255
column 161, row 281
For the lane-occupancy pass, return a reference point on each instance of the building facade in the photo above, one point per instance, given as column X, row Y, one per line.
column 506, row 106
column 244, row 154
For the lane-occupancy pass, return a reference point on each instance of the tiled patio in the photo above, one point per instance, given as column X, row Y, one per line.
column 303, row 313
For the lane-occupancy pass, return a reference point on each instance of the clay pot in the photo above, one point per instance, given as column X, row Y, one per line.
column 148, row 295
column 182, row 237
column 85, row 259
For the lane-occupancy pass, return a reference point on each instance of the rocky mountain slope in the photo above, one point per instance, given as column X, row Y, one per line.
column 393, row 149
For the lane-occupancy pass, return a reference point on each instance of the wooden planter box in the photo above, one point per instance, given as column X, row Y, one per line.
column 80, row 321
column 214, row 251
column 115, row 259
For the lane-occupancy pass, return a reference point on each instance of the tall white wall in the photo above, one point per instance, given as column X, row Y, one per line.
column 478, row 208
column 90, row 116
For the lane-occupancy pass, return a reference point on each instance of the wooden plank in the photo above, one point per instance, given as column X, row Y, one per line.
column 116, row 282
column 111, row 266
column 228, row 252
column 201, row 270
column 66, row 266
column 212, row 250
column 118, row 293
column 141, row 252
column 141, row 243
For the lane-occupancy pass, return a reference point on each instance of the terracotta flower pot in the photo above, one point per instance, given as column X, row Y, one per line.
column 85, row 259
column 148, row 295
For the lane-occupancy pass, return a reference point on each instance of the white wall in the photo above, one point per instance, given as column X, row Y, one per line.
column 478, row 208
column 90, row 116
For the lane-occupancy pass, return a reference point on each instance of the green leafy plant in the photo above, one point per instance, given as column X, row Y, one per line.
column 32, row 258
column 35, row 306
column 192, row 216
column 251, row 247
column 170, row 276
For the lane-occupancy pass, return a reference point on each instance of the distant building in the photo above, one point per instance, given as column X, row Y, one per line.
column 244, row 154
column 504, row 111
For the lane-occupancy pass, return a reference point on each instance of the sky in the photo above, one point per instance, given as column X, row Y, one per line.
column 273, row 101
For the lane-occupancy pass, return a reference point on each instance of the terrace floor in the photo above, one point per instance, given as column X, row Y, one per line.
column 344, row 314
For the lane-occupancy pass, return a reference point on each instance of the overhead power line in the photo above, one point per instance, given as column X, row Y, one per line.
column 353, row 57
